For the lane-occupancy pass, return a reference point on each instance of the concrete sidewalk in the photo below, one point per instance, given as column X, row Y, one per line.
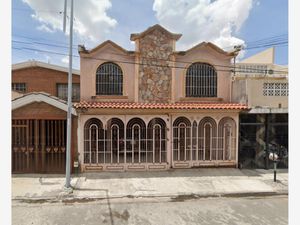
column 204, row 182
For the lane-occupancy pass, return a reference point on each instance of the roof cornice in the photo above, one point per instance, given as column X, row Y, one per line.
column 33, row 63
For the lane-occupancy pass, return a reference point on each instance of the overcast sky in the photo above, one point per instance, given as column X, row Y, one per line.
column 37, row 25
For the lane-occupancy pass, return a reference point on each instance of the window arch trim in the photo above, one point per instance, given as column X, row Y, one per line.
column 107, row 84
column 203, row 83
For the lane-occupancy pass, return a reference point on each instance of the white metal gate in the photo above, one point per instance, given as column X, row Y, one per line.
column 203, row 144
column 117, row 146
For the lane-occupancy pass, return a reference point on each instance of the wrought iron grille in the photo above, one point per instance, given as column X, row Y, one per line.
column 109, row 79
column 137, row 143
column 201, row 81
column 205, row 141
column 38, row 145
column 19, row 87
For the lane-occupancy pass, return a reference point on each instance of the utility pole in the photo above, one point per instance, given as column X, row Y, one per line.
column 237, row 49
column 69, row 114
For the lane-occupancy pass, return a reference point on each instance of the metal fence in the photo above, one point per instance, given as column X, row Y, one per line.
column 116, row 144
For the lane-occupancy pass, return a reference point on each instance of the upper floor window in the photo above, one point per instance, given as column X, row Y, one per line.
column 19, row 87
column 62, row 92
column 109, row 79
column 201, row 81
column 275, row 89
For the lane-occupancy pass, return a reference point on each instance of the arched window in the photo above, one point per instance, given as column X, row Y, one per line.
column 94, row 144
column 201, row 81
column 207, row 139
column 227, row 134
column 109, row 79
column 115, row 140
column 136, row 141
column 194, row 141
column 157, row 145
column 181, row 139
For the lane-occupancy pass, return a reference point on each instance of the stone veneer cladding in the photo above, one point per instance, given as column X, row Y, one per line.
column 155, row 73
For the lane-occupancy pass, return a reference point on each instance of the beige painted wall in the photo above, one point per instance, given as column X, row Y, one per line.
column 256, row 97
column 250, row 90
column 88, row 68
column 248, row 87
column 264, row 57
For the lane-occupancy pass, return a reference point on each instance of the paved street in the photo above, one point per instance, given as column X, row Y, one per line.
column 177, row 210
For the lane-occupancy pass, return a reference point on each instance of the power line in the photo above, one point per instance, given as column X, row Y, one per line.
column 37, row 39
column 251, row 44
column 282, row 36
column 135, row 63
column 41, row 43
column 152, row 58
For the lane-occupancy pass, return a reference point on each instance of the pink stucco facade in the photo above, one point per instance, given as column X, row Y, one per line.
column 155, row 73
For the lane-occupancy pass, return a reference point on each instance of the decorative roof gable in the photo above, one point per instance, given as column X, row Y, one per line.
column 210, row 45
column 135, row 36
column 82, row 50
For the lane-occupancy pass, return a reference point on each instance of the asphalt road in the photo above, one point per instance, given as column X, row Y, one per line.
column 186, row 210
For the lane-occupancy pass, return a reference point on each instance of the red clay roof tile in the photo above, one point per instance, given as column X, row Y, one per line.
column 177, row 105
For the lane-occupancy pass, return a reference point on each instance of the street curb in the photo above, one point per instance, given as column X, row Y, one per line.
column 173, row 197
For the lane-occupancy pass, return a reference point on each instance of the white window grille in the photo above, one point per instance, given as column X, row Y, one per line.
column 62, row 91
column 181, row 139
column 275, row 89
column 94, row 144
column 201, row 81
column 137, row 143
column 19, row 87
column 207, row 139
column 109, row 146
column 157, row 143
column 194, row 141
column 109, row 79
column 227, row 129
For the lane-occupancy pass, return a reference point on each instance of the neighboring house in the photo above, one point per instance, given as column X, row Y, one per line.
column 35, row 76
column 39, row 115
column 262, row 85
column 156, row 108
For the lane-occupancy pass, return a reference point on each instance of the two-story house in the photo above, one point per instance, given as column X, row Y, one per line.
column 263, row 85
column 39, row 113
column 156, row 108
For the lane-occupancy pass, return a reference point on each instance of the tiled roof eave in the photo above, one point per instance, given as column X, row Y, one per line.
column 159, row 106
